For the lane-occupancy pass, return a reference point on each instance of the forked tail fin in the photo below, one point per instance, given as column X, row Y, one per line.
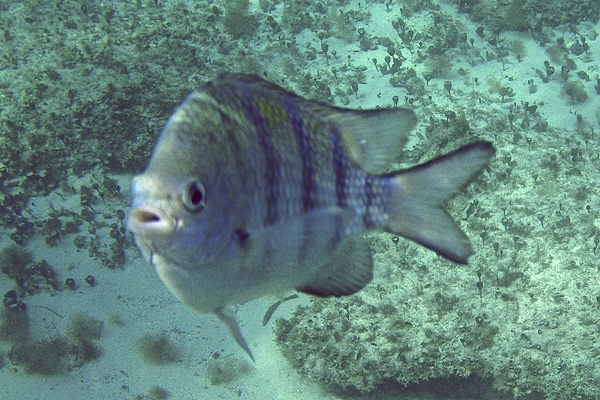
column 416, row 207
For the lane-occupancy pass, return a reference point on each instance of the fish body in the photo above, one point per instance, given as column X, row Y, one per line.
column 252, row 190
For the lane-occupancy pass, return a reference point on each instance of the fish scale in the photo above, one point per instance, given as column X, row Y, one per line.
column 252, row 190
column 353, row 193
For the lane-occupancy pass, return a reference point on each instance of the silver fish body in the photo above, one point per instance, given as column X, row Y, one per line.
column 252, row 190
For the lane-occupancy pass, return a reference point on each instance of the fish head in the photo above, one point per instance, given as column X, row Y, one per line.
column 172, row 218
column 180, row 207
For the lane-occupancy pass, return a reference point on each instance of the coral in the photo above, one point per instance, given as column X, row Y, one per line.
column 399, row 328
column 517, row 17
column 529, row 14
column 443, row 31
column 296, row 17
column 349, row 345
column 158, row 349
column 51, row 229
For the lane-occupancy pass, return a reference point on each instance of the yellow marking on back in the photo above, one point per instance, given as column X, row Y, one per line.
column 275, row 116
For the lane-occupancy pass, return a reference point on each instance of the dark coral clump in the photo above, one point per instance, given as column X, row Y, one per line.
column 30, row 276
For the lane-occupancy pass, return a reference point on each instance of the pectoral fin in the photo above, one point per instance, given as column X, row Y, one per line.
column 294, row 247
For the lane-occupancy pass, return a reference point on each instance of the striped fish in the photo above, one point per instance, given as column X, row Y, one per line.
column 252, row 190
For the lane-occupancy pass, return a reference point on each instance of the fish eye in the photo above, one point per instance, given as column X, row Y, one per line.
column 193, row 197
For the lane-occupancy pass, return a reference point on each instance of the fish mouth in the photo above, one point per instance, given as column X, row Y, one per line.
column 144, row 216
column 153, row 225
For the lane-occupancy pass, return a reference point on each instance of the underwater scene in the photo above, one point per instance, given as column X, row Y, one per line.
column 474, row 122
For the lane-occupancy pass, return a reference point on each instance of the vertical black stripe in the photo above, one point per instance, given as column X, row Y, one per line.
column 338, row 232
column 308, row 185
column 307, row 157
column 223, row 96
column 340, row 164
column 369, row 197
column 272, row 162
column 232, row 135
column 232, row 131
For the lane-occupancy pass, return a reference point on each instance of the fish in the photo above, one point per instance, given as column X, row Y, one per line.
column 252, row 190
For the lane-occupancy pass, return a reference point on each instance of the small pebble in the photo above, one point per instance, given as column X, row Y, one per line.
column 70, row 282
column 90, row 280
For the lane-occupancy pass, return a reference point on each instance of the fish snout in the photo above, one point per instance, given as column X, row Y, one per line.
column 151, row 223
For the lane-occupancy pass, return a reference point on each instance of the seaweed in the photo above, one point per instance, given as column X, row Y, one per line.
column 238, row 22
column 52, row 356
column 84, row 352
column 83, row 328
column 158, row 349
column 15, row 260
column 227, row 369
column 576, row 91
column 42, row 357
column 30, row 276
column 117, row 320
column 158, row 393
column 84, row 331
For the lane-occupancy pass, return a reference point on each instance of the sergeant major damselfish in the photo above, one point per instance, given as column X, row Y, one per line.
column 252, row 190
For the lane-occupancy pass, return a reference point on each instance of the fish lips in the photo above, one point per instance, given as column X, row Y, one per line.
column 151, row 227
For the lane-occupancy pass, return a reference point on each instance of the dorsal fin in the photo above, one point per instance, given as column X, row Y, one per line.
column 374, row 138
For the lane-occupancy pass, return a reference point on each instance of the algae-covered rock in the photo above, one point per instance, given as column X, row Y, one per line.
column 361, row 341
column 527, row 326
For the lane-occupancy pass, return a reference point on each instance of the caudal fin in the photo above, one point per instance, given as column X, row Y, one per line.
column 416, row 208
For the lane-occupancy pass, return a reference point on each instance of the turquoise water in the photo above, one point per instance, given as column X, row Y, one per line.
column 87, row 86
